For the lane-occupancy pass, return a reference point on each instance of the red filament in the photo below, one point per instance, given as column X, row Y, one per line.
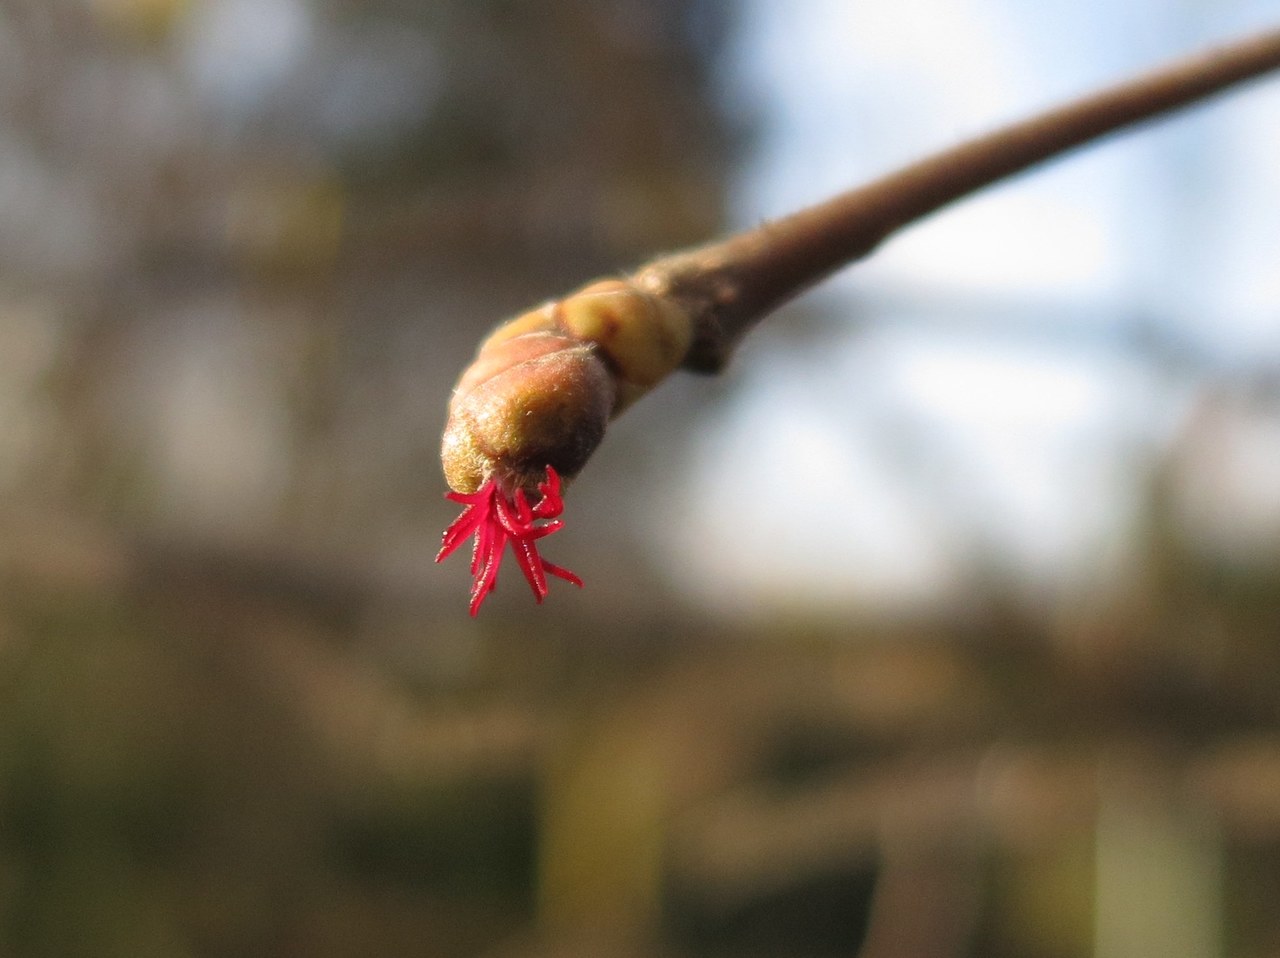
column 496, row 519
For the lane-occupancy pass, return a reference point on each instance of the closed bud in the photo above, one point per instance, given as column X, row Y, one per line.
column 533, row 407
column 533, row 401
column 644, row 336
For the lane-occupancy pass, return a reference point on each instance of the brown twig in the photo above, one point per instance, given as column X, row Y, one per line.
column 730, row 285
column 535, row 403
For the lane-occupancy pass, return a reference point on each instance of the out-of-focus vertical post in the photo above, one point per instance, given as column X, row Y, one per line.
column 1159, row 872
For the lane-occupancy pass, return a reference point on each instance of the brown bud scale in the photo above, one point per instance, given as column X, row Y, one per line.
column 544, row 385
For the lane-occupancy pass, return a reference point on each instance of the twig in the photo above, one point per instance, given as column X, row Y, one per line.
column 730, row 285
column 536, row 401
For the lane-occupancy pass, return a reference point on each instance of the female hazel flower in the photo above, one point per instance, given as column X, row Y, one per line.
column 535, row 403
column 533, row 407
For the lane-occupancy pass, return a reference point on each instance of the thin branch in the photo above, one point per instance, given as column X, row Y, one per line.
column 544, row 386
column 730, row 285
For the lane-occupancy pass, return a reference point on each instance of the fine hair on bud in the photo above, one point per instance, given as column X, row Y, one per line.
column 528, row 402
column 544, row 386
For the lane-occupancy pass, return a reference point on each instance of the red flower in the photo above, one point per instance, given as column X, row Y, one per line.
column 493, row 518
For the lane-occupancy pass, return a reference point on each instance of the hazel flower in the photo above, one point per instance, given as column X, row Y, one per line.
column 532, row 408
column 535, row 403
column 494, row 520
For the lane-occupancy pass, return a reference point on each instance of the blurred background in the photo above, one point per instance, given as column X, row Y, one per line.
column 946, row 622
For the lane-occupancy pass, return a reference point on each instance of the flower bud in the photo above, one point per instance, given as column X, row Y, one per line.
column 644, row 336
column 529, row 402
column 533, row 407
column 544, row 386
